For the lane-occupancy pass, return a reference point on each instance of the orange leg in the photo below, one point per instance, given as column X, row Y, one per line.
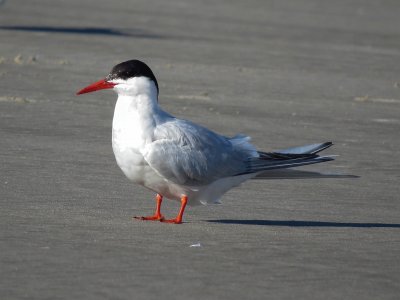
column 157, row 214
column 178, row 219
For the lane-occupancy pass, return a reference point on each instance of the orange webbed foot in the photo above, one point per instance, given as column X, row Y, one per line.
column 150, row 218
column 171, row 221
column 157, row 214
column 159, row 217
column 178, row 219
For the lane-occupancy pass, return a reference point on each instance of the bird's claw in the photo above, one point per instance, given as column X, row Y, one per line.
column 151, row 218
column 172, row 221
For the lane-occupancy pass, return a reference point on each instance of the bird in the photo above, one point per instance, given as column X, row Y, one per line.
column 179, row 159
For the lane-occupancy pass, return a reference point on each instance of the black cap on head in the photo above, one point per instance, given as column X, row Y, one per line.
column 131, row 68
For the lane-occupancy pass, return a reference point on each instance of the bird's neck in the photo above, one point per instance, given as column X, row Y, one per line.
column 141, row 108
column 135, row 119
column 142, row 104
column 137, row 98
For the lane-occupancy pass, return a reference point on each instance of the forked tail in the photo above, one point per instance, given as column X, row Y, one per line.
column 287, row 158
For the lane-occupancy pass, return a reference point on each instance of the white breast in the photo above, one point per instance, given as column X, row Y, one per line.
column 135, row 167
column 127, row 139
column 133, row 128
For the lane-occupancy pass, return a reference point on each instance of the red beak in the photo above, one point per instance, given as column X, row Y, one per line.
column 99, row 85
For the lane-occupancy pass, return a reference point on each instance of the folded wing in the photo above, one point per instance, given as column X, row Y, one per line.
column 191, row 155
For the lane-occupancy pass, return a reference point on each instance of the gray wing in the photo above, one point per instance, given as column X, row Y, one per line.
column 188, row 154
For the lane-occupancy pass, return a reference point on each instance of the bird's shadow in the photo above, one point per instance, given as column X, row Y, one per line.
column 300, row 174
column 137, row 33
column 296, row 223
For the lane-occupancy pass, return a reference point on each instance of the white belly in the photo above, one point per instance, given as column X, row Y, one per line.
column 131, row 163
column 135, row 167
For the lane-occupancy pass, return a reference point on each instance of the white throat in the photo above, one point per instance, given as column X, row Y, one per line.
column 135, row 113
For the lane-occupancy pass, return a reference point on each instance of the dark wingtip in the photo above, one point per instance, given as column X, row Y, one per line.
column 323, row 146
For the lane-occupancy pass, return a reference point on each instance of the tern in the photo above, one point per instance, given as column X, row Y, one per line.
column 176, row 158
